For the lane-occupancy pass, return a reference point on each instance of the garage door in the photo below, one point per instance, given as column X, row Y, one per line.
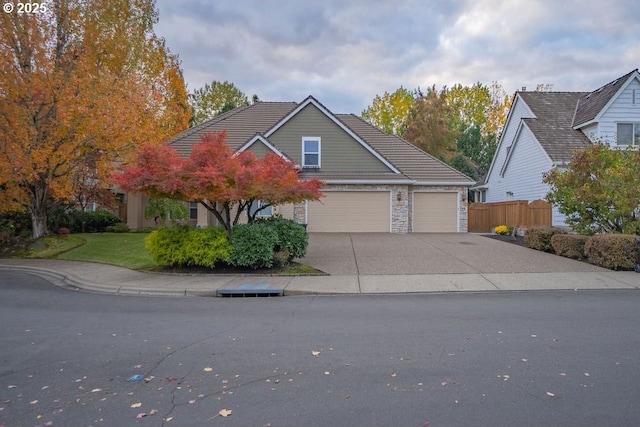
column 350, row 211
column 435, row 212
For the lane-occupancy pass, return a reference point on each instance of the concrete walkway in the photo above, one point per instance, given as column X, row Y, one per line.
column 362, row 263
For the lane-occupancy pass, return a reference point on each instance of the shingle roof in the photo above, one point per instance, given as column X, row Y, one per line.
column 552, row 125
column 590, row 104
column 410, row 160
column 243, row 123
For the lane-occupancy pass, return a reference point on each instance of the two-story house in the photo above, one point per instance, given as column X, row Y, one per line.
column 374, row 182
column 544, row 129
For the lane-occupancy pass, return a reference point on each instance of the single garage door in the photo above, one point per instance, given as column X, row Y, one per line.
column 435, row 212
column 350, row 211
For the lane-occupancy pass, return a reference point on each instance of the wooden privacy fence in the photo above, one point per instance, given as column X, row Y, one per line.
column 483, row 217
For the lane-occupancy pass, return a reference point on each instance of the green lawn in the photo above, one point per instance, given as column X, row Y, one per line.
column 123, row 249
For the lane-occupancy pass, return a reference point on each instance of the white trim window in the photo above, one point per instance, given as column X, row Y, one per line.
column 628, row 134
column 264, row 213
column 311, row 151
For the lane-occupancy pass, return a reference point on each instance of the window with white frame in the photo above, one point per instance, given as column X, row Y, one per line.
column 628, row 134
column 264, row 213
column 310, row 152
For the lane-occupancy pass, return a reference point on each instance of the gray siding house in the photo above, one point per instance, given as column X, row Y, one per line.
column 374, row 182
column 544, row 129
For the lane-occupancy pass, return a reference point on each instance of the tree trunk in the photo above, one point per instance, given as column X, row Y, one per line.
column 38, row 221
column 38, row 209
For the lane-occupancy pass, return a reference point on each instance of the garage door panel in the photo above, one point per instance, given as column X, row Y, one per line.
column 435, row 212
column 352, row 211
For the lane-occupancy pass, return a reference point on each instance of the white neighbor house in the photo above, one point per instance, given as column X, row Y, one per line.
column 543, row 129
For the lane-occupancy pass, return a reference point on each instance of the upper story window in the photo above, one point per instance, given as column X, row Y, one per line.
column 311, row 152
column 628, row 134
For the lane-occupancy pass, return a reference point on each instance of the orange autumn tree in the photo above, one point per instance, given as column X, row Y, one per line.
column 82, row 85
column 224, row 182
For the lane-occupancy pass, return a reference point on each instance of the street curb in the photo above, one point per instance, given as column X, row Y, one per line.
column 67, row 281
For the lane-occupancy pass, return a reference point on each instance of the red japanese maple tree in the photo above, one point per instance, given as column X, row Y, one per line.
column 224, row 182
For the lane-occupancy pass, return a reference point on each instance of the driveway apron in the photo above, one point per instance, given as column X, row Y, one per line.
column 429, row 253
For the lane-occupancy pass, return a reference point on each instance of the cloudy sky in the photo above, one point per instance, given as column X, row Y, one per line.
column 344, row 52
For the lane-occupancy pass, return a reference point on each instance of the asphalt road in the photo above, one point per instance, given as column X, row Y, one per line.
column 498, row 359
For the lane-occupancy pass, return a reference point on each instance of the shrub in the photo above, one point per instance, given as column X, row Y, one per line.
column 282, row 258
column 569, row 245
column 292, row 237
column 501, row 229
column 16, row 224
column 120, row 227
column 540, row 237
column 613, row 251
column 187, row 246
column 98, row 221
column 253, row 245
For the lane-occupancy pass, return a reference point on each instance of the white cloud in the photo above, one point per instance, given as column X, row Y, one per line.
column 345, row 52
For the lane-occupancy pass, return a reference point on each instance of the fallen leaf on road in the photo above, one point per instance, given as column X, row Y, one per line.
column 225, row 412
column 136, row 405
column 153, row 412
column 148, row 379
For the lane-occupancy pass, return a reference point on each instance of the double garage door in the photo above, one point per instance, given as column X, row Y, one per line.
column 370, row 211
column 350, row 211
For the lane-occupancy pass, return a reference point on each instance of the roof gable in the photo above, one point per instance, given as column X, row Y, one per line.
column 312, row 101
column 590, row 106
column 259, row 139
column 250, row 127
column 551, row 125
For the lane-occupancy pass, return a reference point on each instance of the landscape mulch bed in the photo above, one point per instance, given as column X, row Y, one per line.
column 516, row 240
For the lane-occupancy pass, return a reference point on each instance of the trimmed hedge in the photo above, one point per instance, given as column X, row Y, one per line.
column 292, row 237
column 613, row 251
column 569, row 245
column 187, row 246
column 252, row 245
column 540, row 237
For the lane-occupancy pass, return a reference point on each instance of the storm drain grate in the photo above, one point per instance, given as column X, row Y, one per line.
column 250, row 290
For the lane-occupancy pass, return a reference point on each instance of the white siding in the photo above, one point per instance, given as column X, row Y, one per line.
column 621, row 110
column 527, row 164
column 592, row 132
column 496, row 184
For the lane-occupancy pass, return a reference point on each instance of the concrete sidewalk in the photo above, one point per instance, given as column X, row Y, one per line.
column 109, row 279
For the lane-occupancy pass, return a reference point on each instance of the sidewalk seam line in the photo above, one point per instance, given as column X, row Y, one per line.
column 355, row 259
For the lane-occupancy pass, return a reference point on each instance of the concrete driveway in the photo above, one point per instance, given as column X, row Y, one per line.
column 429, row 253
